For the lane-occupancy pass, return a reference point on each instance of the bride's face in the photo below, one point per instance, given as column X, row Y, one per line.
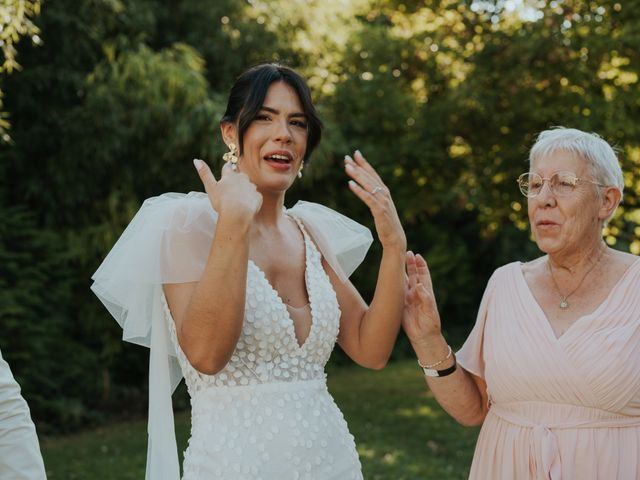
column 276, row 140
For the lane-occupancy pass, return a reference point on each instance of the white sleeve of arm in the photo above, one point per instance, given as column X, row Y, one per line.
column 20, row 457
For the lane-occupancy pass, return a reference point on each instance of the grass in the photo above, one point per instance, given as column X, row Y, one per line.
column 400, row 431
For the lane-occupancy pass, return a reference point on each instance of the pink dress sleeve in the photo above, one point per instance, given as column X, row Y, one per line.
column 471, row 355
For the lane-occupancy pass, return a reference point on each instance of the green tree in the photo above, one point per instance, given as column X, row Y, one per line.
column 444, row 98
column 15, row 22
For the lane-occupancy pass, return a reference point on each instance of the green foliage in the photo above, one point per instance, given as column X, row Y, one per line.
column 15, row 22
column 35, row 306
column 443, row 97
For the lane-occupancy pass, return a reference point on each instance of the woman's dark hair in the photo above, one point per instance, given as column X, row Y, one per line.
column 249, row 91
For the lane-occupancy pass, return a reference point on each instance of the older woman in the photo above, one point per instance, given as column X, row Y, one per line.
column 552, row 367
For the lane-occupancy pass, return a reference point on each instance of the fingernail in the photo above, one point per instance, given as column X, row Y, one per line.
column 358, row 152
column 352, row 183
column 348, row 158
column 348, row 166
column 198, row 163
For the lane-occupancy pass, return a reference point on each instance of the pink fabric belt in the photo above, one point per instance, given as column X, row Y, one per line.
column 543, row 418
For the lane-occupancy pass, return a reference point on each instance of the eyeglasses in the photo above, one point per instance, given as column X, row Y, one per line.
column 560, row 183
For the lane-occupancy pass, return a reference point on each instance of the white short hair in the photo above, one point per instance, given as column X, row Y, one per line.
column 602, row 159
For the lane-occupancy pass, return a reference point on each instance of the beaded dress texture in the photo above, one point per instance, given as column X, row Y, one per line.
column 268, row 414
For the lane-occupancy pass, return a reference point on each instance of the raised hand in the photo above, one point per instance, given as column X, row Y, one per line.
column 234, row 195
column 369, row 187
column 421, row 321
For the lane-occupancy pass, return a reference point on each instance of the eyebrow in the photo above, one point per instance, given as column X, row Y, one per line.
column 274, row 111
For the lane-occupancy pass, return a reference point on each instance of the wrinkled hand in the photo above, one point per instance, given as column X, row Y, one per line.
column 369, row 187
column 234, row 195
column 420, row 320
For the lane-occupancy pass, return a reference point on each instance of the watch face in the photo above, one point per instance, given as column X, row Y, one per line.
column 441, row 373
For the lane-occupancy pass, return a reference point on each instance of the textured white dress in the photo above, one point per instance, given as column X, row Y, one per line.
column 268, row 414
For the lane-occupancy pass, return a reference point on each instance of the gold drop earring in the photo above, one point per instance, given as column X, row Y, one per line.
column 300, row 171
column 232, row 156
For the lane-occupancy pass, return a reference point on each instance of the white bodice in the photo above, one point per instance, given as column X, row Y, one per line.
column 267, row 350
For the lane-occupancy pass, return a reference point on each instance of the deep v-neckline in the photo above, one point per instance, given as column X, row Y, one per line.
column 545, row 319
column 282, row 304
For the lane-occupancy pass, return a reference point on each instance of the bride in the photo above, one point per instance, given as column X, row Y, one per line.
column 246, row 299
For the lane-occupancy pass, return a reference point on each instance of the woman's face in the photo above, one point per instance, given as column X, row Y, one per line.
column 564, row 224
column 276, row 140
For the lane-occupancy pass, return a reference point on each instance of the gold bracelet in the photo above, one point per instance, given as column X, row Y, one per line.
column 438, row 362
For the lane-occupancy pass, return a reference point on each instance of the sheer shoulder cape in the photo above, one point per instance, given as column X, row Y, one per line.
column 168, row 241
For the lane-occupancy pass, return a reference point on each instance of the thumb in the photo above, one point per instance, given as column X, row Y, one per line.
column 206, row 175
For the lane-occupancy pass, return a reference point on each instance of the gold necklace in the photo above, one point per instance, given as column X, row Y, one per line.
column 564, row 304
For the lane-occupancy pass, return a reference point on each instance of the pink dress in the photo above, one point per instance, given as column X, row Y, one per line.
column 560, row 408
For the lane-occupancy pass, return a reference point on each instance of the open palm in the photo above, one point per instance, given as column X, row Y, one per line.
column 421, row 320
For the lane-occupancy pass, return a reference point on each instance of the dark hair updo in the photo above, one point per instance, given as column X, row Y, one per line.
column 249, row 91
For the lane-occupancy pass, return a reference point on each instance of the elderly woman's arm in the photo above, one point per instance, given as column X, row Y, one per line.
column 462, row 394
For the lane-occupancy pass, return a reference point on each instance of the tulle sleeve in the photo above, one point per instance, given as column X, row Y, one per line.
column 168, row 241
column 471, row 355
column 342, row 242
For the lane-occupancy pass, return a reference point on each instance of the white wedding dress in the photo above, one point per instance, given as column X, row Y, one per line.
column 268, row 414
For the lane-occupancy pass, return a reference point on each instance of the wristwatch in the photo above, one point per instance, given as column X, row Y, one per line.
column 429, row 372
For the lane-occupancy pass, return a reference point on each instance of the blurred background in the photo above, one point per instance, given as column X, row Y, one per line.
column 105, row 103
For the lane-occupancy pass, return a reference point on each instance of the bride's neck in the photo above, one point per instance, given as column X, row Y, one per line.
column 271, row 213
